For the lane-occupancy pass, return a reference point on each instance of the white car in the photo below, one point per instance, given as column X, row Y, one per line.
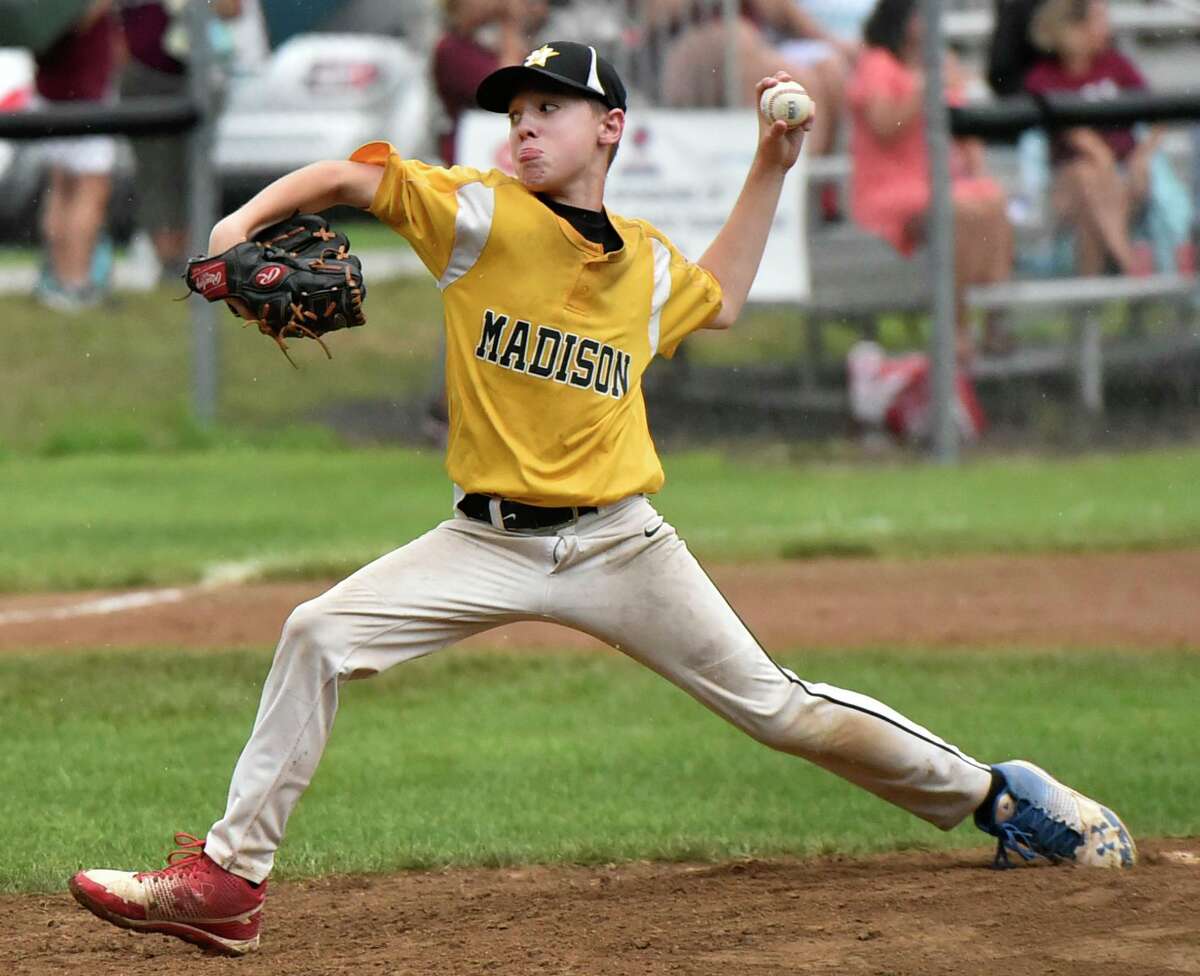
column 321, row 96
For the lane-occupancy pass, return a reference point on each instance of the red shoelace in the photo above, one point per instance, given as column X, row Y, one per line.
column 187, row 854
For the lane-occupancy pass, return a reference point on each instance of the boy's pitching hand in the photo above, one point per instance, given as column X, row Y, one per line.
column 777, row 144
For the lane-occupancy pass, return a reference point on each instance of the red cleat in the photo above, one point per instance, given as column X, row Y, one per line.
column 192, row 899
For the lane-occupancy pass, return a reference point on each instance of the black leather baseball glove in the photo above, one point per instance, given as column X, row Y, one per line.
column 295, row 278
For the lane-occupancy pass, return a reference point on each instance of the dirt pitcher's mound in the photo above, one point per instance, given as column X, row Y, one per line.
column 904, row 915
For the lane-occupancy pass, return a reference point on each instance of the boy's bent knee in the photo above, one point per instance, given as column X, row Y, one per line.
column 312, row 629
column 323, row 634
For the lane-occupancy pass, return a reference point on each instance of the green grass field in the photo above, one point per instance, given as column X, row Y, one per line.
column 485, row 758
column 119, row 378
column 153, row 518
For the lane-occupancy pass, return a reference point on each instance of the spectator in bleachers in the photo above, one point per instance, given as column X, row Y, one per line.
column 154, row 38
column 693, row 64
column 890, row 193
column 78, row 67
column 1101, row 176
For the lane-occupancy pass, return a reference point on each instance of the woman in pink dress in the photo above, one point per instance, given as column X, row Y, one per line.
column 890, row 194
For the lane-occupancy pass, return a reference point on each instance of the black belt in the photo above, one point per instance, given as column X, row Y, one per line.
column 517, row 515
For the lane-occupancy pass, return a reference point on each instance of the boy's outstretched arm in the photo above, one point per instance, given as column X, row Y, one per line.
column 309, row 189
column 733, row 257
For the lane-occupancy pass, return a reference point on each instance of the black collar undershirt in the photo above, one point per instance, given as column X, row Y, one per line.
column 594, row 225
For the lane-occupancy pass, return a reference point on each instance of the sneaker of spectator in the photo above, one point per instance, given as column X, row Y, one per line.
column 68, row 300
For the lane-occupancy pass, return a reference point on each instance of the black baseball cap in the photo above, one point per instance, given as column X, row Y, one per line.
column 565, row 64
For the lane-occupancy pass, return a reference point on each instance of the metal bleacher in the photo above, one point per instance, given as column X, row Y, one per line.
column 857, row 278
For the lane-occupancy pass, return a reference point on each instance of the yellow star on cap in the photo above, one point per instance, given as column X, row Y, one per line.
column 538, row 58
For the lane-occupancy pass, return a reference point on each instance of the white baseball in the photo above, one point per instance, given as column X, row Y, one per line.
column 786, row 101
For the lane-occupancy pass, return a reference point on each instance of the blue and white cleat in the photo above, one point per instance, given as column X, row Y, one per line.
column 1036, row 815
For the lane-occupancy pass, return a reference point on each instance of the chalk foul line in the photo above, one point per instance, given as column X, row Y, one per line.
column 94, row 607
column 215, row 577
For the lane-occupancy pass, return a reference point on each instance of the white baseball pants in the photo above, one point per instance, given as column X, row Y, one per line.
column 622, row 575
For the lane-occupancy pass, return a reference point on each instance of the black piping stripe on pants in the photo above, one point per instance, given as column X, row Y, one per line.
column 944, row 746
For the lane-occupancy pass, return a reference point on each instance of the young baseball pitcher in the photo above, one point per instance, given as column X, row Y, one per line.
column 554, row 308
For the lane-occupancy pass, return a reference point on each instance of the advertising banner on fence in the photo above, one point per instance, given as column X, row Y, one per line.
column 681, row 171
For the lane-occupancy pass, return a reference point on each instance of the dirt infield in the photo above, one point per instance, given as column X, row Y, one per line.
column 1123, row 600
column 902, row 914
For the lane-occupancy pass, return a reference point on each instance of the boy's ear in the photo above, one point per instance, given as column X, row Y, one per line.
column 612, row 126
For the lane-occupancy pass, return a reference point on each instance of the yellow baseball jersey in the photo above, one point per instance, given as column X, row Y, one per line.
column 547, row 336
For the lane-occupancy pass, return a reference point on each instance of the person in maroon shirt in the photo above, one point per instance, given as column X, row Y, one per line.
column 78, row 67
column 1101, row 176
column 480, row 36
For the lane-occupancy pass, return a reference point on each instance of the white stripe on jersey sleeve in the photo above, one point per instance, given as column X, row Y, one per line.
column 472, row 224
column 662, row 290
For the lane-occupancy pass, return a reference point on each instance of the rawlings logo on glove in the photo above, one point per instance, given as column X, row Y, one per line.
column 270, row 274
column 209, row 280
column 296, row 278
